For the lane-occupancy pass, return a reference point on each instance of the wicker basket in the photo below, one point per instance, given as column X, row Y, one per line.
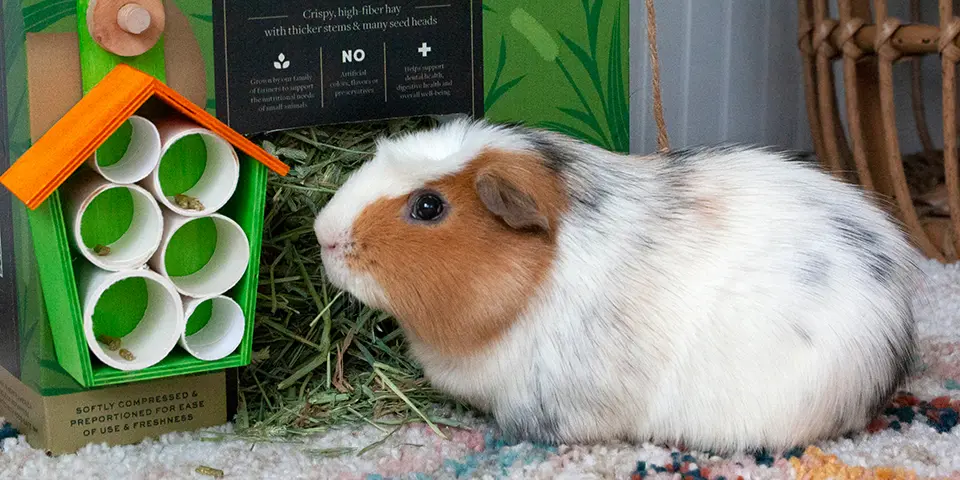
column 869, row 42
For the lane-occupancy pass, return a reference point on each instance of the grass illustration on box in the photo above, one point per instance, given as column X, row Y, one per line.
column 575, row 58
column 147, row 230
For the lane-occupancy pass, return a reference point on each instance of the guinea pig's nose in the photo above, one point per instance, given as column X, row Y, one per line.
column 331, row 246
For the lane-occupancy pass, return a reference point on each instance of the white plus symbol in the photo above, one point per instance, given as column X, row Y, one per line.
column 424, row 49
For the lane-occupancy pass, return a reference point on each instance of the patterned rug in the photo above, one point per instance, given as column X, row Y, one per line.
column 916, row 437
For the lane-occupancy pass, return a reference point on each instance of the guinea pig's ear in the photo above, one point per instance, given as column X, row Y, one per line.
column 519, row 208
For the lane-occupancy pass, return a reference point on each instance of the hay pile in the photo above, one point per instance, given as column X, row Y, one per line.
column 320, row 357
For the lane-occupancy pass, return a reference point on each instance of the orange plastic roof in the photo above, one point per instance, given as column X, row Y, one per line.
column 76, row 136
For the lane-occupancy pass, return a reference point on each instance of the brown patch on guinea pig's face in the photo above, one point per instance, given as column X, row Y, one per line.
column 458, row 282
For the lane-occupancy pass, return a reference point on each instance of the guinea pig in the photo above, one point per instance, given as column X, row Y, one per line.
column 725, row 298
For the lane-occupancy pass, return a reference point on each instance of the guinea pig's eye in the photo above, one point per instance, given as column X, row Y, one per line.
column 427, row 207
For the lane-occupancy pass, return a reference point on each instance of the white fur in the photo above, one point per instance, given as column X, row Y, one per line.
column 688, row 334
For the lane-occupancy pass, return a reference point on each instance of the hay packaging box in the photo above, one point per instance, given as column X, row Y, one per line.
column 255, row 66
column 557, row 64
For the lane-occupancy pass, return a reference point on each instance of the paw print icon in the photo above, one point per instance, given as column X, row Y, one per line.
column 282, row 63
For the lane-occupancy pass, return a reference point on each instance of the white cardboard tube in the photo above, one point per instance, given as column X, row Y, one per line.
column 219, row 179
column 225, row 268
column 158, row 331
column 140, row 159
column 221, row 335
column 141, row 239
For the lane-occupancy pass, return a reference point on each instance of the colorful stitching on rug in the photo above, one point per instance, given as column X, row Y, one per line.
column 7, row 431
column 498, row 455
column 812, row 464
column 941, row 413
column 817, row 465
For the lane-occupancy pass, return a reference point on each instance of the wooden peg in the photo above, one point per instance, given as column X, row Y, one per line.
column 133, row 18
column 126, row 27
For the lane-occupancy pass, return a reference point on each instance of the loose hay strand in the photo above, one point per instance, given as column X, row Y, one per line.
column 321, row 358
column 209, row 471
column 406, row 400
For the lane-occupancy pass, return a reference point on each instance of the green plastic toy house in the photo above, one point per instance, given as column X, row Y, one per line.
column 98, row 131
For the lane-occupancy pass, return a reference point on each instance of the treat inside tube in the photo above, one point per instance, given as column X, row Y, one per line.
column 132, row 320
